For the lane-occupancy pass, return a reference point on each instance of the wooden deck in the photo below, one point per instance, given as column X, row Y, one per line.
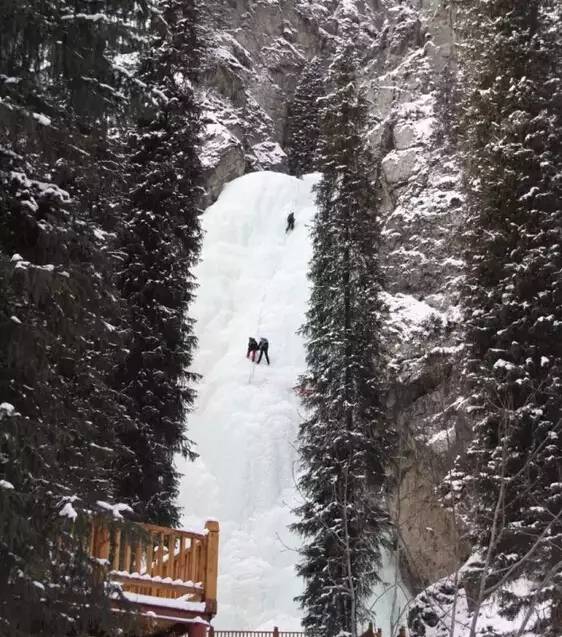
column 169, row 575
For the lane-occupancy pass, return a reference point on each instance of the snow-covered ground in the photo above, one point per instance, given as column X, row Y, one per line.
column 252, row 283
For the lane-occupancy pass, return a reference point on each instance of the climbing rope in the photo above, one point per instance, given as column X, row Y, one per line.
column 263, row 298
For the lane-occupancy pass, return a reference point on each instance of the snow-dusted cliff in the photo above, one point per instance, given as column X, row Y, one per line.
column 257, row 50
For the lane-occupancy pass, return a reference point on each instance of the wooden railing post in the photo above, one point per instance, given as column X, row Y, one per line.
column 116, row 550
column 402, row 632
column 211, row 566
column 379, row 632
column 103, row 543
column 275, row 631
column 171, row 556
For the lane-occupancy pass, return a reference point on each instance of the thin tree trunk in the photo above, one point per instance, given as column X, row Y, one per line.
column 348, row 398
column 491, row 546
column 349, row 565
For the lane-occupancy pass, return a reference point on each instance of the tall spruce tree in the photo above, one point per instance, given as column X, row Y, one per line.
column 344, row 441
column 59, row 97
column 303, row 120
column 159, row 245
column 511, row 132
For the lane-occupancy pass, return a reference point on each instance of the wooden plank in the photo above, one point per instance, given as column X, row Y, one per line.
column 188, row 555
column 96, row 541
column 104, row 543
column 154, row 528
column 212, row 566
column 149, row 555
column 138, row 558
column 202, row 570
column 160, row 555
column 180, row 559
column 137, row 582
column 127, row 556
column 194, row 553
column 92, row 539
column 116, row 550
column 176, row 615
column 171, row 555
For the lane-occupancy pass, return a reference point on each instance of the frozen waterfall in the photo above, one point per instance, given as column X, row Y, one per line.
column 253, row 282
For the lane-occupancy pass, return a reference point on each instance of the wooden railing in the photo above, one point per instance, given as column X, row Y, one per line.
column 370, row 632
column 257, row 633
column 161, row 562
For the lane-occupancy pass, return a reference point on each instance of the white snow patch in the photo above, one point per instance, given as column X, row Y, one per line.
column 502, row 364
column 68, row 511
column 7, row 409
column 156, row 578
column 442, row 441
column 408, row 315
column 269, row 154
column 115, row 509
column 42, row 119
column 4, row 484
column 489, row 622
column 179, row 604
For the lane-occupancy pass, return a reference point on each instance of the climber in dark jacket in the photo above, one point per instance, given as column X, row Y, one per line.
column 290, row 222
column 263, row 348
column 252, row 348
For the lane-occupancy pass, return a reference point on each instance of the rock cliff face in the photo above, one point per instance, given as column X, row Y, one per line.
column 256, row 52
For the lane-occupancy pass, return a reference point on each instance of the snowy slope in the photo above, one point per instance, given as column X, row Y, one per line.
column 253, row 283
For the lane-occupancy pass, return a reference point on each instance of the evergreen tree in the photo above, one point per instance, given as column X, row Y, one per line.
column 60, row 95
column 159, row 245
column 511, row 131
column 344, row 441
column 303, row 124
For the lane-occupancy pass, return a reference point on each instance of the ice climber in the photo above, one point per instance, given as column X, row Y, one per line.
column 263, row 348
column 252, row 348
column 290, row 222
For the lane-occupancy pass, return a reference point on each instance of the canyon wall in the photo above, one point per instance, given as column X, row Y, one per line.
column 256, row 51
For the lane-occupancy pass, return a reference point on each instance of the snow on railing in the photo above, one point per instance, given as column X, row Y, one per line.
column 156, row 561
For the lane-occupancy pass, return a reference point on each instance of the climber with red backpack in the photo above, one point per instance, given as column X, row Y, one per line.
column 252, row 349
